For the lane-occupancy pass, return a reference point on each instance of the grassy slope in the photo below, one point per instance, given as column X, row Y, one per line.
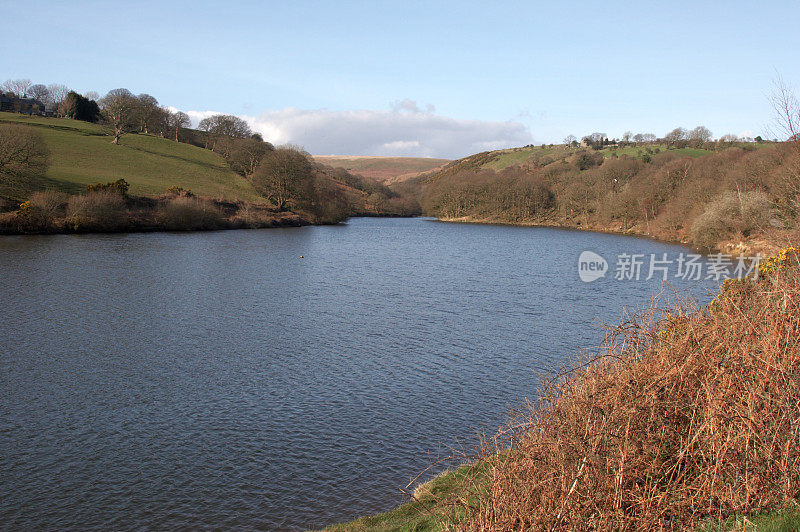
column 81, row 154
column 517, row 156
column 382, row 168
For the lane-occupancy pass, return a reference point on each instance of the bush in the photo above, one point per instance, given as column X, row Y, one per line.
column 179, row 191
column 189, row 214
column 586, row 160
column 730, row 214
column 120, row 186
column 50, row 202
column 41, row 211
column 101, row 210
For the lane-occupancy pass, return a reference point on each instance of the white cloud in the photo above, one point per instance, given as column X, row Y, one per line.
column 410, row 106
column 406, row 130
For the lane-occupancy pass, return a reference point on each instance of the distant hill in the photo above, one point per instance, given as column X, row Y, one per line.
column 81, row 154
column 385, row 169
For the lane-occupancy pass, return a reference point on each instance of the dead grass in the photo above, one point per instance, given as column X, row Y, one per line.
column 688, row 417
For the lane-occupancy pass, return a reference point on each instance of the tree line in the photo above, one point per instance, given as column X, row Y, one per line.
column 678, row 138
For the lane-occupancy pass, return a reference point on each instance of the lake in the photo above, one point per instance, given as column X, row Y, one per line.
column 219, row 380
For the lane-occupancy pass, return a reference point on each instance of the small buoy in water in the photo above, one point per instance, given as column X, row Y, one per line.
column 301, row 256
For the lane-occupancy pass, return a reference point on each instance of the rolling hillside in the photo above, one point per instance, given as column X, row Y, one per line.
column 385, row 169
column 540, row 156
column 81, row 154
column 737, row 197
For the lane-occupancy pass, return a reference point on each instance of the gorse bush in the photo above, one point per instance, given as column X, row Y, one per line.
column 586, row 160
column 120, row 186
column 41, row 211
column 179, row 191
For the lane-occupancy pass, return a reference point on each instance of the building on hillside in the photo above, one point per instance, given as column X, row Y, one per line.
column 28, row 106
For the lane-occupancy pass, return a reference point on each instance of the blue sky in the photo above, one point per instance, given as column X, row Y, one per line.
column 326, row 74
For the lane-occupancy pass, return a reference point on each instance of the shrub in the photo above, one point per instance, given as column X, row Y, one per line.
column 586, row 160
column 41, row 211
column 179, row 191
column 120, row 186
column 101, row 210
column 50, row 202
column 730, row 214
column 189, row 214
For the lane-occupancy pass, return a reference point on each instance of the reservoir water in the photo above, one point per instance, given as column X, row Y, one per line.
column 219, row 380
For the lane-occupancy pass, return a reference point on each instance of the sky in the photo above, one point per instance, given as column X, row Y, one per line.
column 439, row 79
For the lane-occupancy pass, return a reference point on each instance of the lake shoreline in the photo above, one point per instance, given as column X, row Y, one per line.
column 147, row 214
column 743, row 247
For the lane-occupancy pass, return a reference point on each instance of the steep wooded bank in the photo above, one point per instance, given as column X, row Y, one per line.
column 741, row 197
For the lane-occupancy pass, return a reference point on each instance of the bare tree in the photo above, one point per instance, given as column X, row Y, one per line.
column 19, row 87
column 626, row 137
column 597, row 137
column 23, row 156
column 787, row 112
column 227, row 125
column 92, row 95
column 177, row 121
column 676, row 135
column 39, row 92
column 283, row 175
column 700, row 134
column 147, row 112
column 57, row 93
column 119, row 109
column 244, row 155
column 569, row 139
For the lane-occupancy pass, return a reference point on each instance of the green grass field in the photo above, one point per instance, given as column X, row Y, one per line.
column 81, row 154
column 518, row 156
